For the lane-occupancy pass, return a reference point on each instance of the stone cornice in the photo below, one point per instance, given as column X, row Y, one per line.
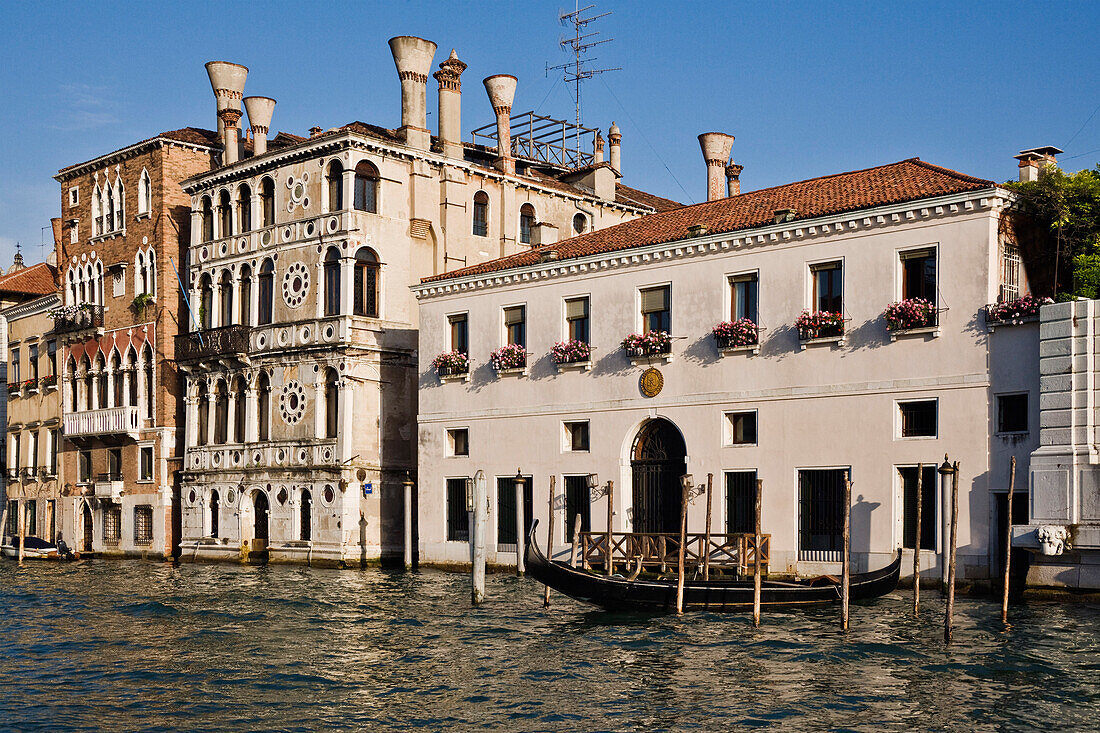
column 34, row 307
column 125, row 153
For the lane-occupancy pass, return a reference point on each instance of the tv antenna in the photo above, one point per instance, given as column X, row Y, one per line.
column 582, row 40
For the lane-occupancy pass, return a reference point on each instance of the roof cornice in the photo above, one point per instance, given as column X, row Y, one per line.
column 128, row 152
column 31, row 308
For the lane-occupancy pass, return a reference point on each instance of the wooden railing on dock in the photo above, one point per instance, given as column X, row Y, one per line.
column 661, row 551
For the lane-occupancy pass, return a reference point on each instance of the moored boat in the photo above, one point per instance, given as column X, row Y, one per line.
column 617, row 593
column 33, row 548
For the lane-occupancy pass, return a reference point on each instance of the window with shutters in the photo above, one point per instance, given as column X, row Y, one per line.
column 918, row 275
column 740, row 502
column 576, row 319
column 743, row 296
column 578, row 502
column 741, row 428
column 515, row 325
column 828, row 287
column 928, row 519
column 143, row 525
column 657, row 309
column 30, row 509
column 366, row 187
column 457, row 326
column 458, row 519
column 458, row 442
column 576, row 436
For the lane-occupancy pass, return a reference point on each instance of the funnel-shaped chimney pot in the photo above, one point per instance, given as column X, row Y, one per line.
column 260, row 110
column 716, row 148
column 615, row 137
column 449, row 77
column 227, row 80
column 502, row 92
column 413, row 58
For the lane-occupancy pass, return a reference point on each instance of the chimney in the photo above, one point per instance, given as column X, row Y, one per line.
column 502, row 91
column 615, row 138
column 259, row 111
column 733, row 179
column 1034, row 162
column 413, row 58
column 597, row 146
column 227, row 81
column 316, row 131
column 450, row 104
column 231, row 133
column 716, row 152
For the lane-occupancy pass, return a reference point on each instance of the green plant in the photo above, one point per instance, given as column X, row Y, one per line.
column 141, row 302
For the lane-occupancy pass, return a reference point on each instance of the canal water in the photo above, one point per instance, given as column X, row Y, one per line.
column 133, row 646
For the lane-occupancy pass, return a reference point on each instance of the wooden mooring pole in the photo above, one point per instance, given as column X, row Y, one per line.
column 550, row 538
column 846, row 569
column 22, row 530
column 916, row 552
column 706, row 536
column 948, row 618
column 1008, row 538
column 756, row 557
column 576, row 539
column 610, row 515
column 520, row 539
column 408, row 484
column 481, row 506
column 3, row 522
column 685, row 487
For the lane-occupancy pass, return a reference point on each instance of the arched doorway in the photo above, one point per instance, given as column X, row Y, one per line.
column 86, row 529
column 658, row 459
column 259, row 516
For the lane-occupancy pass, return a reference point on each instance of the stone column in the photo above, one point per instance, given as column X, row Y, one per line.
column 231, row 417
column 127, row 377
column 196, row 227
column 235, row 305
column 191, row 420
column 143, row 389
column 346, row 402
column 216, row 305
column 320, row 407
column 254, row 298
column 111, row 388
column 211, row 415
column 93, row 398
column 251, row 405
column 347, row 285
column 320, row 291
column 348, row 177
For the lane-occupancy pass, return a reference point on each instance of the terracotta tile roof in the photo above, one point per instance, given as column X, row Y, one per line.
column 908, row 180
column 190, row 135
column 628, row 195
column 38, row 279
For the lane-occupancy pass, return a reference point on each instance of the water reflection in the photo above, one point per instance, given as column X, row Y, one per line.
column 102, row 645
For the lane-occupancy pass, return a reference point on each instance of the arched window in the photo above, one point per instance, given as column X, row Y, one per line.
column 335, row 180
column 70, row 278
column 244, row 208
column 89, row 380
column 305, row 517
column 214, row 505
column 225, row 215
column 225, row 286
column 526, row 223
column 263, row 407
column 202, row 429
column 267, row 201
column 151, row 272
column 73, row 404
column 97, row 223
column 240, row 410
column 145, row 193
column 206, row 302
column 150, row 383
column 109, row 211
column 366, row 283
column 332, row 282
column 221, row 413
column 481, row 214
column 245, row 306
column 267, row 292
column 332, row 403
column 366, row 187
column 580, row 223
column 101, row 382
column 98, row 283
column 139, row 273
column 132, row 373
column 207, row 219
column 120, row 205
column 117, row 392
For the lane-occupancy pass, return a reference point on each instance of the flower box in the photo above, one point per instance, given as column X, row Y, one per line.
column 820, row 325
column 14, row 388
column 573, row 351
column 30, row 386
column 50, row 380
column 737, row 336
column 509, row 359
column 909, row 314
column 1016, row 311
column 648, row 346
column 452, row 366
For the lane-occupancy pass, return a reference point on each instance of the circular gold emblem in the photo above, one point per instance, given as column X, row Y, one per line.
column 651, row 382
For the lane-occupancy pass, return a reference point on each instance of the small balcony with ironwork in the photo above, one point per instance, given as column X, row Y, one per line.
column 213, row 344
column 76, row 318
column 108, row 485
column 106, row 422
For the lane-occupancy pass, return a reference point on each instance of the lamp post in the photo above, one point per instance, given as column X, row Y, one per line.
column 951, row 470
column 520, row 539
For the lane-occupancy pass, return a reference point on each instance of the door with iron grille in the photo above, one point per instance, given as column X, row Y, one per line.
column 658, row 460
column 820, row 514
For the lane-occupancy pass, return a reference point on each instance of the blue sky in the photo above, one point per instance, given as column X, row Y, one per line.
column 807, row 88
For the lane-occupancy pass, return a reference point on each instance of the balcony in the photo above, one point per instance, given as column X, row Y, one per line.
column 108, row 486
column 107, row 421
column 212, row 343
column 69, row 319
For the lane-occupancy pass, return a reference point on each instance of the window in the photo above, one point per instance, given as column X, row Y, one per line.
column 1010, row 272
column 267, row 201
column 828, row 283
column 267, row 292
column 32, row 356
column 97, row 223
column 526, row 223
column 578, row 501
column 656, row 309
column 743, row 289
column 366, row 283
column 32, row 455
column 114, row 464
column 245, row 307
column 740, row 502
column 30, row 526
column 225, row 215
column 741, row 427
column 458, row 442
column 515, row 325
column 143, row 525
column 576, row 319
column 214, row 513
column 366, row 187
column 16, row 455
column 145, row 193
column 918, row 418
column 116, row 370
column 84, row 466
column 225, row 296
column 263, row 406
column 458, row 519
column 207, row 219
column 458, row 326
column 580, row 223
column 244, row 208
column 146, row 467
column 51, row 520
column 13, row 518
column 820, row 514
column 918, row 275
column 206, row 302
column 112, row 525
column 221, row 413
column 332, row 282
column 506, row 511
column 332, row 403
column 481, row 214
column 305, row 517
column 74, row 196
column 203, row 426
column 51, row 358
column 1012, row 413
column 335, row 183
column 55, row 448
column 150, row 386
column 576, row 436
column 13, row 370
column 928, row 520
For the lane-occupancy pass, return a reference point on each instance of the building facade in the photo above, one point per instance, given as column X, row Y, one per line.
column 125, row 222
column 815, row 374
column 301, row 361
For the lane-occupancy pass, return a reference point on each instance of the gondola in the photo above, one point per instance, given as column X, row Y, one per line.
column 616, row 593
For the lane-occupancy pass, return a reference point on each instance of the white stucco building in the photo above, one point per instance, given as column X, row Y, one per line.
column 794, row 412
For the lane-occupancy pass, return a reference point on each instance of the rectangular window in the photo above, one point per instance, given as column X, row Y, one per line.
column 578, row 501
column 820, row 514
column 928, row 520
column 506, row 511
column 515, row 325
column 84, row 466
column 30, row 506
column 143, row 525
column 55, row 448
column 51, row 520
column 657, row 309
column 459, row 330
column 458, row 442
column 918, row 418
column 114, row 464
column 576, row 319
column 741, row 428
column 743, row 289
column 576, row 436
column 32, row 355
column 16, row 456
column 918, row 275
column 1012, row 413
column 112, row 525
column 740, row 502
column 13, row 518
column 526, row 223
column 828, row 280
column 458, row 519
column 74, row 196
column 1010, row 273
column 51, row 357
column 32, row 456
column 146, row 473
column 13, row 370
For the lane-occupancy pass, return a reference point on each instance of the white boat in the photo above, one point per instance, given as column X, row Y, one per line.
column 33, row 547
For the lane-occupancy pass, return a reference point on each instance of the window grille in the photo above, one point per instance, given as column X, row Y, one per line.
column 820, row 514
column 928, row 519
column 143, row 525
column 1010, row 272
column 740, row 502
column 506, row 511
column 578, row 500
column 112, row 525
column 918, row 419
column 458, row 519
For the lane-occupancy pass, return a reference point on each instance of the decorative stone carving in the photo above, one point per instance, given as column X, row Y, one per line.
column 295, row 284
column 1053, row 539
column 292, row 402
